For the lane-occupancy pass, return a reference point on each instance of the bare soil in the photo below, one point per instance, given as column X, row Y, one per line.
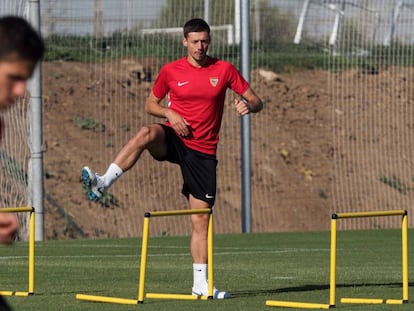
column 292, row 141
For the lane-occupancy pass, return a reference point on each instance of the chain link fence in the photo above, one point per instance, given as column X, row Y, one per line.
column 335, row 134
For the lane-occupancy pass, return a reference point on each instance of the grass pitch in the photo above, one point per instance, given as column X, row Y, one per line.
column 253, row 267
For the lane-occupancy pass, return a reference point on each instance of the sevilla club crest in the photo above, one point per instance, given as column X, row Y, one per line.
column 214, row 81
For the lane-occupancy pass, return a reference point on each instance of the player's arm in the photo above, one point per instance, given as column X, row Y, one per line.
column 153, row 107
column 250, row 102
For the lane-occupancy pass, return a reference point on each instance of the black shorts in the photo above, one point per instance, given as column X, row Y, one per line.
column 198, row 169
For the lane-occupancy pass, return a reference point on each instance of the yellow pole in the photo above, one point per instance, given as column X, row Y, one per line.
column 370, row 214
column 31, row 251
column 141, row 286
column 332, row 289
column 124, row 301
column 180, row 212
column 291, row 304
column 13, row 293
column 16, row 209
column 394, row 301
column 174, row 296
column 372, row 301
column 405, row 256
column 363, row 300
column 210, row 257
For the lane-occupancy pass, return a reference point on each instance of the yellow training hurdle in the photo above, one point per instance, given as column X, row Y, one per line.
column 332, row 281
column 143, row 266
column 30, row 290
column 404, row 240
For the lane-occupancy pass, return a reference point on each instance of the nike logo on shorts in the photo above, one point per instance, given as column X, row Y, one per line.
column 182, row 83
column 209, row 196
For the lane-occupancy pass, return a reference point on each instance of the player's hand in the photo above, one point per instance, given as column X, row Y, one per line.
column 241, row 107
column 178, row 123
column 9, row 225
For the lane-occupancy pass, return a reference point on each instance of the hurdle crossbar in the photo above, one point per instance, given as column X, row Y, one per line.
column 144, row 253
column 178, row 212
column 404, row 239
column 24, row 209
column 16, row 209
column 369, row 214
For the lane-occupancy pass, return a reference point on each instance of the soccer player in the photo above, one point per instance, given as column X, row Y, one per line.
column 21, row 47
column 196, row 86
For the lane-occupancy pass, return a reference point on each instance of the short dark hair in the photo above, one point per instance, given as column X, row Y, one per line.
column 196, row 25
column 19, row 39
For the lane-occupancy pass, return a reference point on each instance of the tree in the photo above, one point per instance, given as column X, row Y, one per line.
column 177, row 12
column 276, row 25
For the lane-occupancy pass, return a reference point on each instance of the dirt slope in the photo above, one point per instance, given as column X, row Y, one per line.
column 295, row 153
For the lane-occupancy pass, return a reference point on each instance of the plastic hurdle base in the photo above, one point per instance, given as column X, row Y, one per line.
column 127, row 301
column 144, row 249
column 13, row 293
column 124, row 301
column 373, row 301
column 175, row 296
column 30, row 290
column 300, row 305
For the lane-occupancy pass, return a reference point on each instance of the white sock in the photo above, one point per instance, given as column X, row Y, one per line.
column 112, row 174
column 200, row 275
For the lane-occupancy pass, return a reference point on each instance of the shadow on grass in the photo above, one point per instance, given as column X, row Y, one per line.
column 306, row 288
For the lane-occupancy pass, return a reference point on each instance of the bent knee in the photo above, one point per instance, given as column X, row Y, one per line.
column 145, row 131
column 145, row 135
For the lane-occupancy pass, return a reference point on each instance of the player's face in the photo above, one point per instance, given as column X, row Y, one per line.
column 197, row 46
column 14, row 74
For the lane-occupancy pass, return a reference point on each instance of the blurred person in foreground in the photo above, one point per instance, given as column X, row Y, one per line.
column 196, row 86
column 21, row 47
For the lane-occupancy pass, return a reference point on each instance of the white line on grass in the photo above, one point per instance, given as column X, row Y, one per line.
column 101, row 246
column 252, row 249
column 119, row 246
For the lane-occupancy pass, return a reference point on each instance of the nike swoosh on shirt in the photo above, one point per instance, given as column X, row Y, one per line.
column 208, row 196
column 182, row 83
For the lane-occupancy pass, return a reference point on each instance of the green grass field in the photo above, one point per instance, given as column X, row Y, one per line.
column 253, row 267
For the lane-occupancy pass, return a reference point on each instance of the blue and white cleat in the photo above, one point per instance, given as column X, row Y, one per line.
column 216, row 293
column 94, row 184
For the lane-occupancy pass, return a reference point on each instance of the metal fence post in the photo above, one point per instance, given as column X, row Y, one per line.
column 36, row 134
column 245, row 120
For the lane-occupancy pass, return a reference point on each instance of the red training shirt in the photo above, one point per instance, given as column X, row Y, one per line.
column 198, row 94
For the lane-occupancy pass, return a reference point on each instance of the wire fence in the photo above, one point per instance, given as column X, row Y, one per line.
column 334, row 135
